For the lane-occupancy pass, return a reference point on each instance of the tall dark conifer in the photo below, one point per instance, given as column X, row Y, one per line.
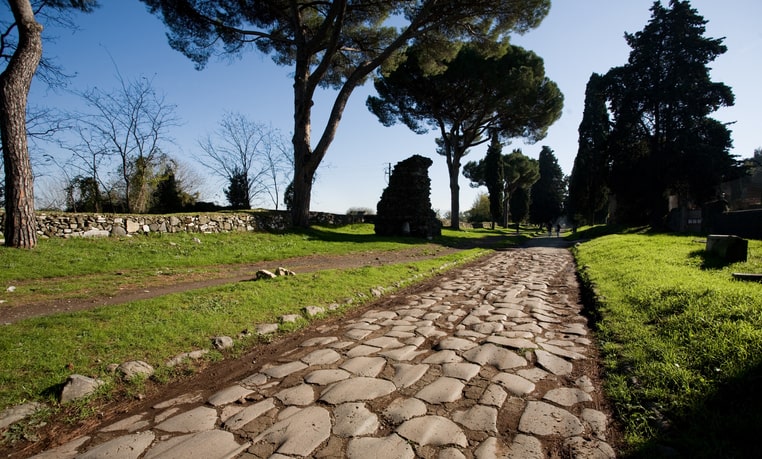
column 547, row 194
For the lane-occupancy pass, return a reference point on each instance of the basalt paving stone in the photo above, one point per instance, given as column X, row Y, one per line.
column 563, row 352
column 126, row 447
column 364, row 366
column 567, row 396
column 248, row 414
column 129, row 424
column 494, row 395
column 281, row 371
column 409, row 352
column 514, row 383
column 597, row 421
column 299, row 434
column 321, row 357
column 478, row 417
column 326, row 376
column 362, row 350
column 196, row 420
column 455, row 344
column 541, row 418
column 391, row 447
column 441, row 357
column 405, row 375
column 552, row 363
column 442, row 390
column 462, row 371
column 514, row 343
column 433, row 430
column 229, row 395
column 212, row 443
column 489, row 354
column 301, row 395
column 357, row 389
column 354, row 420
column 583, row 448
column 319, row 341
column 403, row 409
column 384, row 342
column 357, row 333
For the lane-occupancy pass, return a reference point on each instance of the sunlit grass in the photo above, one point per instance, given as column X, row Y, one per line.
column 678, row 338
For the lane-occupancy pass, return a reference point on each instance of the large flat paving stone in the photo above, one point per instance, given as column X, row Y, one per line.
column 364, row 366
column 125, row 447
column 514, row 383
column 229, row 395
column 321, row 357
column 354, row 420
column 391, row 447
column 299, row 434
column 327, row 376
column 300, row 395
column 357, row 390
column 248, row 414
column 540, row 418
column 478, row 417
column 403, row 409
column 442, row 390
column 405, row 375
column 490, row 354
column 433, row 430
column 553, row 363
column 196, row 420
column 281, row 371
column 567, row 396
column 202, row 445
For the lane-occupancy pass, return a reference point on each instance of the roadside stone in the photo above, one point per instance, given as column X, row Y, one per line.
column 354, row 420
column 391, row 447
column 540, row 418
column 478, row 417
column 300, row 434
column 313, row 311
column 552, row 363
column 212, row 443
column 195, row 420
column 567, row 396
column 289, row 318
column 126, row 447
column 264, row 274
column 229, row 395
column 193, row 355
column 266, row 329
column 222, row 342
column 442, row 390
column 584, row 383
column 17, row 413
column 356, row 390
column 403, row 409
column 135, row 368
column 597, row 421
column 248, row 414
column 433, row 430
column 78, row 386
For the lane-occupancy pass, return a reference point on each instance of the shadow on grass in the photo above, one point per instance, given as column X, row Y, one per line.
column 727, row 424
column 489, row 239
column 708, row 261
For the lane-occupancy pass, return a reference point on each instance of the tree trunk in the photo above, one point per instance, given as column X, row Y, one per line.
column 20, row 224
column 453, row 168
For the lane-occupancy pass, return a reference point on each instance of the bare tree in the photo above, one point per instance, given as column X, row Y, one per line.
column 241, row 150
column 130, row 123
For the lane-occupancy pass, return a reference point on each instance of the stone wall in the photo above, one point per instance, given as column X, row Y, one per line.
column 61, row 224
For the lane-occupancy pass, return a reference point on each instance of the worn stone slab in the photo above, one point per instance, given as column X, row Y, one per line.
column 514, row 343
column 478, row 417
column 384, row 342
column 229, row 395
column 129, row 424
column 490, row 354
column 321, row 357
column 583, row 448
column 356, row 390
column 65, row 451
column 266, row 329
column 354, row 420
column 300, row 395
column 494, row 395
column 585, row 383
column 567, row 396
column 391, row 447
column 442, row 390
column 597, row 421
column 405, row 375
column 430, row 331
column 319, row 341
column 463, row 371
column 488, row 328
column 553, row 363
column 514, row 383
column 281, row 371
column 79, row 386
column 446, row 356
column 451, row 453
column 212, row 443
column 364, row 366
column 533, row 374
column 248, row 414
column 300, row 434
column 327, row 376
column 408, row 352
column 563, row 352
column 522, row 447
column 125, row 447
column 357, row 334
column 455, row 344
column 402, row 409
column 195, row 420
column 362, row 350
column 434, row 431
column 541, row 418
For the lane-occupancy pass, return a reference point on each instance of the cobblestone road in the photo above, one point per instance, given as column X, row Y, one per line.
column 495, row 361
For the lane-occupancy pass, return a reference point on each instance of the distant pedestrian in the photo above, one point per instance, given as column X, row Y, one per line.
column 558, row 230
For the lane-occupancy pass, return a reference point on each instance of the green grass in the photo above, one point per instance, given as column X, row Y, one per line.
column 37, row 355
column 681, row 342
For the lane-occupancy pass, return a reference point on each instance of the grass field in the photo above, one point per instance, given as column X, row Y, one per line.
column 37, row 355
column 681, row 342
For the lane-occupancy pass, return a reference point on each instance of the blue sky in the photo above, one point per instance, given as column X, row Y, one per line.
column 577, row 38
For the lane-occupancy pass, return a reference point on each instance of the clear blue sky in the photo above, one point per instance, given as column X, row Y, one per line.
column 577, row 38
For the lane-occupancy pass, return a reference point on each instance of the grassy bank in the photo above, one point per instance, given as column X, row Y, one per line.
column 37, row 355
column 681, row 341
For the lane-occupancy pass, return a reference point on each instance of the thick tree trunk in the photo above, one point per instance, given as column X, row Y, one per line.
column 453, row 168
column 20, row 224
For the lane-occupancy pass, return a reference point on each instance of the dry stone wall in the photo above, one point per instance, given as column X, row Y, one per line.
column 51, row 224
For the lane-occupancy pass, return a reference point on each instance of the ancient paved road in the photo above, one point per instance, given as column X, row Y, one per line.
column 496, row 361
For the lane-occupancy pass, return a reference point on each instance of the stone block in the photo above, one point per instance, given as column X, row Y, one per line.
column 730, row 249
